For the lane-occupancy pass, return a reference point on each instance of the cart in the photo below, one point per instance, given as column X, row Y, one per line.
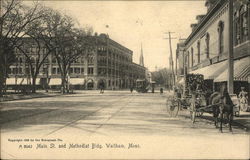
column 196, row 99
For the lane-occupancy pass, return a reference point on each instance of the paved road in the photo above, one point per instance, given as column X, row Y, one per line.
column 114, row 113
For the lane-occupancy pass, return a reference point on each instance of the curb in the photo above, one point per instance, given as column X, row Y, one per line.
column 25, row 98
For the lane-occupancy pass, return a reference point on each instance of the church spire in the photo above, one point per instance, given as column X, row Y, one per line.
column 141, row 57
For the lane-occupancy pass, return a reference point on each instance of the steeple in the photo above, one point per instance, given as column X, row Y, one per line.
column 141, row 57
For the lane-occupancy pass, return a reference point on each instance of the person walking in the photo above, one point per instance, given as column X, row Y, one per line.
column 131, row 89
column 102, row 87
column 161, row 90
column 243, row 98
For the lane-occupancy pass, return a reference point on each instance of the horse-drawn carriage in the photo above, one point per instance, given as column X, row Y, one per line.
column 143, row 85
column 199, row 98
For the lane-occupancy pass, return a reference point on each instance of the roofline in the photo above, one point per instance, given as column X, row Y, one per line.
column 138, row 65
column 113, row 41
column 205, row 19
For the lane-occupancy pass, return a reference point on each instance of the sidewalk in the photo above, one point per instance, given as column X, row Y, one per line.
column 20, row 96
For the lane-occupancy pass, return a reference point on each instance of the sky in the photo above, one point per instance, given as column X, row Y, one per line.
column 132, row 23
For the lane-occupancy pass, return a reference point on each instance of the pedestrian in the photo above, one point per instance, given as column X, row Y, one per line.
column 243, row 98
column 161, row 90
column 131, row 89
column 102, row 87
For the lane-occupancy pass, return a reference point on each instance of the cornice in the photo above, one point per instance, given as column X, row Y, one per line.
column 205, row 19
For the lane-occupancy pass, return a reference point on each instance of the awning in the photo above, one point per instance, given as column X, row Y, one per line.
column 20, row 81
column 241, row 71
column 211, row 71
column 55, row 81
column 77, row 81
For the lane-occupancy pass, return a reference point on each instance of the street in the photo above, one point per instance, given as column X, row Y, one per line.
column 112, row 114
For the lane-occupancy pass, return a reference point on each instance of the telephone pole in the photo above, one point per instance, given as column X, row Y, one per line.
column 230, row 83
column 171, row 62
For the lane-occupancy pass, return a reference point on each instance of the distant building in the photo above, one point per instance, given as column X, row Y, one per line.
column 206, row 48
column 103, row 60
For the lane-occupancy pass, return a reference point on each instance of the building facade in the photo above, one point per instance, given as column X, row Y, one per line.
column 206, row 48
column 103, row 60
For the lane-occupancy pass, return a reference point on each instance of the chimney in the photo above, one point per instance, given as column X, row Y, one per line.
column 209, row 4
column 193, row 26
column 199, row 18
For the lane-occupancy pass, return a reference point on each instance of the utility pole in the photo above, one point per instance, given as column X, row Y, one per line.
column 171, row 62
column 230, row 82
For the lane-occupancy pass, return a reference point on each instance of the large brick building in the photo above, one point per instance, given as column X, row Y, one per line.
column 103, row 60
column 205, row 51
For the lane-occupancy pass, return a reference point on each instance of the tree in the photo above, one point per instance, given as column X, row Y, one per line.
column 65, row 41
column 162, row 77
column 13, row 20
column 33, row 47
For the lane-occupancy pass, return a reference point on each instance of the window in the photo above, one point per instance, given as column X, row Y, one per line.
column 82, row 60
column 90, row 70
column 192, row 57
column 90, row 59
column 53, row 70
column 207, row 44
column 58, row 71
column 82, row 70
column 221, row 38
column 188, row 59
column 20, row 60
column 77, row 70
column 243, row 23
column 198, row 51
column 236, row 28
column 10, row 71
column 27, row 71
column 15, row 71
column 71, row 70
column 53, row 59
column 20, row 71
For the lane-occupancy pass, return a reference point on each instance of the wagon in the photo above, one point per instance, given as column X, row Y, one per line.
column 196, row 99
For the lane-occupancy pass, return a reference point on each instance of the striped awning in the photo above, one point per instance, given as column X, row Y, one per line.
column 77, row 81
column 241, row 71
column 211, row 71
column 21, row 81
column 55, row 81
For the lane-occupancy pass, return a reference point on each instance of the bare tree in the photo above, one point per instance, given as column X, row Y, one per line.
column 13, row 20
column 65, row 41
column 34, row 47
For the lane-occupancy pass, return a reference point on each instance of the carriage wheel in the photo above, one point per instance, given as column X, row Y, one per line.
column 244, row 107
column 172, row 107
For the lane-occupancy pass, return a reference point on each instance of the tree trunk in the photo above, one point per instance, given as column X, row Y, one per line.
column 2, row 86
column 34, row 84
column 63, row 86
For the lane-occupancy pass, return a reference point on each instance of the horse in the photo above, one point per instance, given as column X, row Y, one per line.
column 222, row 107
